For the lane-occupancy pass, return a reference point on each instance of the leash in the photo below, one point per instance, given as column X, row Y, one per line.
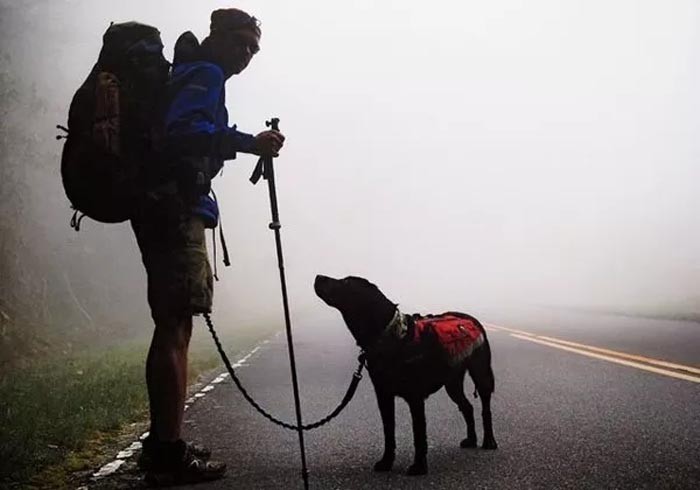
column 356, row 377
column 264, row 169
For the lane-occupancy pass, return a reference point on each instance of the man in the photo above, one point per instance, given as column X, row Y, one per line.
column 170, row 229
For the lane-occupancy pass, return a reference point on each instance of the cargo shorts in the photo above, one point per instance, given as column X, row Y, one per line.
column 174, row 253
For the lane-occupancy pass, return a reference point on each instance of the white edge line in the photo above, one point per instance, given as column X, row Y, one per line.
column 108, row 469
column 126, row 453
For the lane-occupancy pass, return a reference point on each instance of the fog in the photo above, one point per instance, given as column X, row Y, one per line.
column 463, row 155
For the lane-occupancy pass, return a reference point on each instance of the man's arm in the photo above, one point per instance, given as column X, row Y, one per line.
column 193, row 129
column 192, row 123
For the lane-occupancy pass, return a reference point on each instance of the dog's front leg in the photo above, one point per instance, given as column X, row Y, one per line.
column 420, row 440
column 386, row 409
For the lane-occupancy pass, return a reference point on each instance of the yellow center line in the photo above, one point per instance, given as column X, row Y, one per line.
column 624, row 355
column 608, row 352
column 624, row 362
column 512, row 330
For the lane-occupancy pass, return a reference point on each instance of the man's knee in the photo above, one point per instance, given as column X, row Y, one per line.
column 173, row 331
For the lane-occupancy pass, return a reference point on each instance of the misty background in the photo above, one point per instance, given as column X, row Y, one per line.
column 479, row 156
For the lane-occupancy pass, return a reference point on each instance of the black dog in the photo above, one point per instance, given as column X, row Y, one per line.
column 408, row 361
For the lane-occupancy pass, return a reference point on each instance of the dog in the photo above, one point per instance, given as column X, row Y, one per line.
column 412, row 357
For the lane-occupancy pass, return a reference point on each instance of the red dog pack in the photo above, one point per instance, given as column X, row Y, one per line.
column 459, row 336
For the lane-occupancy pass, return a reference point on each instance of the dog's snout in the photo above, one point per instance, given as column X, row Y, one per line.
column 319, row 280
column 322, row 280
column 324, row 287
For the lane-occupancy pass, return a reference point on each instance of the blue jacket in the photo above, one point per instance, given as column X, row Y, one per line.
column 196, row 122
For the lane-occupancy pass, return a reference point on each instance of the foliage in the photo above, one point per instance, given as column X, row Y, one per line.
column 59, row 290
column 57, row 412
column 53, row 407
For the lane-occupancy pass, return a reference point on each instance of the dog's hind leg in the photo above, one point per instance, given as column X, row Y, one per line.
column 420, row 439
column 386, row 409
column 489, row 440
column 482, row 374
column 455, row 390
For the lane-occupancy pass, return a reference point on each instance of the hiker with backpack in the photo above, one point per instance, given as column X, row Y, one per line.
column 133, row 154
column 180, row 282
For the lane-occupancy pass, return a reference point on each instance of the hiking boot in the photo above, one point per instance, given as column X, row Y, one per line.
column 150, row 447
column 175, row 464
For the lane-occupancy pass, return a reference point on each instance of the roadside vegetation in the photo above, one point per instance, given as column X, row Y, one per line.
column 59, row 412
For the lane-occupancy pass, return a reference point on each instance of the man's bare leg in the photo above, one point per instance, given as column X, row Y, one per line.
column 166, row 376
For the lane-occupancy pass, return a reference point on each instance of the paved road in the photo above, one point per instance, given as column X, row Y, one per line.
column 562, row 419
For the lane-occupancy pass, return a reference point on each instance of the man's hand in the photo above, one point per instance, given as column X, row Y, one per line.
column 268, row 143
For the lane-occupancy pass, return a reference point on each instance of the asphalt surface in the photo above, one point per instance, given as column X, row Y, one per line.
column 561, row 419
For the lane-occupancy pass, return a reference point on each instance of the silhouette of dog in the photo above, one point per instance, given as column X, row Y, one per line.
column 413, row 357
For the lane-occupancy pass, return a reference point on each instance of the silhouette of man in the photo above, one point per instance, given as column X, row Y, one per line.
column 170, row 229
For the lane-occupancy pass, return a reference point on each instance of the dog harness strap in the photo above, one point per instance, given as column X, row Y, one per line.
column 397, row 326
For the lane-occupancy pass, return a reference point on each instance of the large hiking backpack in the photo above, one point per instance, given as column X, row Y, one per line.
column 114, row 123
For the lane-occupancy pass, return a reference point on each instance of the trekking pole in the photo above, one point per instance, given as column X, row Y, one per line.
column 265, row 169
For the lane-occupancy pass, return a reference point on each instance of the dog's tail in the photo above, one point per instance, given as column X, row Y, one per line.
column 481, row 371
column 490, row 379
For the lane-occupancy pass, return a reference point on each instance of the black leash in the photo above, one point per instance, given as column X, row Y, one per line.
column 265, row 169
column 356, row 377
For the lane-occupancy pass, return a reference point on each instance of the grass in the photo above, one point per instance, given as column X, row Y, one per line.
column 58, row 412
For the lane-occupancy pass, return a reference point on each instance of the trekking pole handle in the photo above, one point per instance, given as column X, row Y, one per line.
column 275, row 225
column 273, row 123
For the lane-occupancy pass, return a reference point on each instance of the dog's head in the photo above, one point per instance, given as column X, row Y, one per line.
column 364, row 307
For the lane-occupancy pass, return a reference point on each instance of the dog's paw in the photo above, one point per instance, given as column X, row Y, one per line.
column 383, row 464
column 489, row 444
column 417, row 469
column 469, row 442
